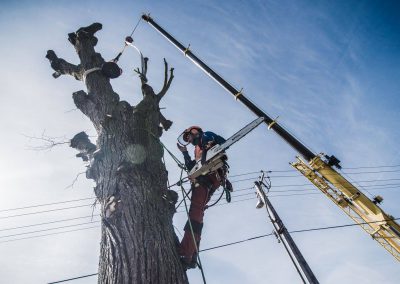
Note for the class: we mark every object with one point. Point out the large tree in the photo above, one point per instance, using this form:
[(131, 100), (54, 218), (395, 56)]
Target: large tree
[(138, 243)]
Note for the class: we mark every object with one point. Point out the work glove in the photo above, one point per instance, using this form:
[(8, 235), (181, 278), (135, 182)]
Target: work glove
[(181, 148)]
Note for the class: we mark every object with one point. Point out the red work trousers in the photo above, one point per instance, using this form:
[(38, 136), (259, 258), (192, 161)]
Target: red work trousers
[(200, 196)]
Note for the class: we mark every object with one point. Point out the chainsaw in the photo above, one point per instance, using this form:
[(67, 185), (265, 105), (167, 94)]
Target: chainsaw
[(216, 155)]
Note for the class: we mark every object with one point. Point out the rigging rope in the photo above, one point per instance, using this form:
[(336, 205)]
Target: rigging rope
[(129, 41), (192, 232), (184, 196)]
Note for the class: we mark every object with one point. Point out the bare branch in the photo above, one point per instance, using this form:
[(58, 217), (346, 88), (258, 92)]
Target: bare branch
[(71, 110), (63, 67), (144, 68), (75, 180), (165, 73), (48, 142), (94, 207), (167, 82), (143, 73)]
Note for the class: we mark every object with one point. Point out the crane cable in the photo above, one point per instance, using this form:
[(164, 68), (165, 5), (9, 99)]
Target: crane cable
[(129, 42)]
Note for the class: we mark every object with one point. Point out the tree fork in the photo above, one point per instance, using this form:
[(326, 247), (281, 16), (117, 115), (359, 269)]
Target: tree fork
[(138, 243)]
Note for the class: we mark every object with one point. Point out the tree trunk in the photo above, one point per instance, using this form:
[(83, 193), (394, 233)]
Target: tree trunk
[(138, 243)]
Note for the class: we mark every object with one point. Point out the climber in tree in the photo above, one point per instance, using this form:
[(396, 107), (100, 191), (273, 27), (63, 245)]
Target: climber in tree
[(202, 188)]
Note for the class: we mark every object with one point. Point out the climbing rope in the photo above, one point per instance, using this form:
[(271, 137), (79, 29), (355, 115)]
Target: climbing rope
[(177, 161), (184, 196)]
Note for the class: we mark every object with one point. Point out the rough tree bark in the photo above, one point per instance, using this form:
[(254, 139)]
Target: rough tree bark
[(138, 243)]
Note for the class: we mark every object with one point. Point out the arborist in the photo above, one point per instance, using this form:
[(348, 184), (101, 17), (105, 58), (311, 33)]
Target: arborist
[(202, 188)]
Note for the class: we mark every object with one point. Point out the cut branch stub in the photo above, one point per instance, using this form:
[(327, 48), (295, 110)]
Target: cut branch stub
[(85, 33), (82, 143), (63, 67)]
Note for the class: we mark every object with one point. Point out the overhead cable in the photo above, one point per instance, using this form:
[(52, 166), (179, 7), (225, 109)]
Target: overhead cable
[(243, 241)]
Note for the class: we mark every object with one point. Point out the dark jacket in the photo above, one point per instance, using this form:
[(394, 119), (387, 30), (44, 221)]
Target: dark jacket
[(200, 151)]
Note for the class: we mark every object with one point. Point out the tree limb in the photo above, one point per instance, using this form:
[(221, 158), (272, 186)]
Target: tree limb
[(85, 32), (85, 104), (167, 82), (82, 143), (143, 73), (63, 67), (75, 180)]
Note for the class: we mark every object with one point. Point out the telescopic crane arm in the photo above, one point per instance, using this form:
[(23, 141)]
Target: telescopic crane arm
[(317, 168)]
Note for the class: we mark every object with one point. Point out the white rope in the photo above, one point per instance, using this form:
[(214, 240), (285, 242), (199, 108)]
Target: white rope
[(87, 72), (138, 50)]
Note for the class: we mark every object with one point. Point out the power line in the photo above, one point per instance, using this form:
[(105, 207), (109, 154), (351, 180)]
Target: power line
[(44, 230), (220, 204), (373, 180), (44, 211), (51, 222), (50, 234), (240, 180), (75, 278), (313, 188), (225, 203), (249, 239), (372, 167), (253, 198), (46, 204), (49, 229), (373, 187), (375, 172), (237, 242), (380, 186), (340, 226), (293, 170), (68, 226), (344, 173)]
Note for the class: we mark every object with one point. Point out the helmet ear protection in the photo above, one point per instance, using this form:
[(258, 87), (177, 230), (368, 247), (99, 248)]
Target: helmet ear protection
[(183, 139)]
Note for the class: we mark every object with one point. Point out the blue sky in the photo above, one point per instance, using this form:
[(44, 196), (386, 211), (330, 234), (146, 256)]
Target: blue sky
[(328, 69)]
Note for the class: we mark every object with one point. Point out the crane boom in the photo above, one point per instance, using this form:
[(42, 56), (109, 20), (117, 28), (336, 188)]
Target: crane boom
[(318, 169), (238, 95), (381, 226)]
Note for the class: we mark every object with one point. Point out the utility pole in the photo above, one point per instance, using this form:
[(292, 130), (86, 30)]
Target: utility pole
[(305, 272)]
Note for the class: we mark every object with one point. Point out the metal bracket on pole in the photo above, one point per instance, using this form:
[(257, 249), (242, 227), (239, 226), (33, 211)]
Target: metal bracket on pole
[(185, 52)]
